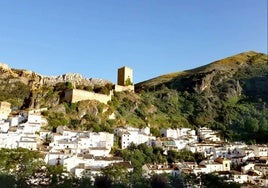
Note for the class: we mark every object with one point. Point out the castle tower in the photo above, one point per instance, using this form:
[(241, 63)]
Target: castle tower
[(125, 76)]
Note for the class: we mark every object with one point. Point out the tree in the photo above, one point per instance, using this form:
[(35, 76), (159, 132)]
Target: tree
[(159, 181), (252, 124), (20, 164), (128, 82), (189, 179), (212, 180), (199, 157), (117, 173), (85, 182), (137, 180), (69, 85), (58, 175), (102, 182), (172, 156), (7, 181), (176, 181)]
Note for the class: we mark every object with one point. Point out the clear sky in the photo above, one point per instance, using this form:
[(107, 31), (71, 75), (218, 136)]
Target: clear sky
[(154, 37)]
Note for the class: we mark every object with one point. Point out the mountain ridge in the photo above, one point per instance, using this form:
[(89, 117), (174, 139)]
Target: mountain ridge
[(234, 61)]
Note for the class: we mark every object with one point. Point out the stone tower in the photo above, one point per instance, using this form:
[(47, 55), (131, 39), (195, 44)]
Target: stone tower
[(125, 76)]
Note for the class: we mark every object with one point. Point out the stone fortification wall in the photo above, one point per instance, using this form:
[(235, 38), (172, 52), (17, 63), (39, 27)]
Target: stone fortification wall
[(119, 88), (76, 95)]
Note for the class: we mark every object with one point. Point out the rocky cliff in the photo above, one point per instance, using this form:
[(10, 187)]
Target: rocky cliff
[(31, 90), (35, 80)]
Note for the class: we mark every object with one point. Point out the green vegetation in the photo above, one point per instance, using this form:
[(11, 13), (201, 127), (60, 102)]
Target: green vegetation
[(103, 89), (128, 82), (15, 93), (234, 100), (142, 154), (24, 168), (19, 167)]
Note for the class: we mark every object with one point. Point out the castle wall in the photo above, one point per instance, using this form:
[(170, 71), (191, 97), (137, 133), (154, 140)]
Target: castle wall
[(119, 88), (76, 95)]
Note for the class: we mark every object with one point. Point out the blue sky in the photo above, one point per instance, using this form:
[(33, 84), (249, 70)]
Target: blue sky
[(94, 38)]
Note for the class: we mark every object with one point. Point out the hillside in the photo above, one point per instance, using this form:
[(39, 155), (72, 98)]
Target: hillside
[(229, 95), (244, 67)]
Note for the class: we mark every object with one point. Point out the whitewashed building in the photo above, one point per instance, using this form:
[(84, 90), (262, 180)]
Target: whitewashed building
[(4, 126), (176, 133), (260, 150), (28, 143), (208, 134), (9, 140), (137, 136)]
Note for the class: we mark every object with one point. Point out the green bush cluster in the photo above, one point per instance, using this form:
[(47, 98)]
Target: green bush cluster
[(15, 93)]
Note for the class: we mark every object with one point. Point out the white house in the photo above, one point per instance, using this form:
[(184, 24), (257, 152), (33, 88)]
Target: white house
[(180, 143), (4, 126), (208, 134), (247, 168), (260, 150), (101, 139), (130, 135), (56, 158), (31, 128), (16, 120), (71, 162), (219, 164), (176, 133), (149, 169), (87, 164), (9, 140), (208, 149), (28, 143), (221, 151), (239, 177), (34, 118), (99, 151)]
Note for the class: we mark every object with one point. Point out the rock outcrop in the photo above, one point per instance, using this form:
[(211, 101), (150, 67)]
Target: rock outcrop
[(35, 80)]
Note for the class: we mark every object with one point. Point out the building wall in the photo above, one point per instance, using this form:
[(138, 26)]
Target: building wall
[(5, 109), (5, 105), (119, 88), (76, 95), (123, 74)]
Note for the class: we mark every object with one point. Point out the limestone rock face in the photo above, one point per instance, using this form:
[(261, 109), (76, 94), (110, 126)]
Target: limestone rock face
[(35, 80), (4, 67)]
